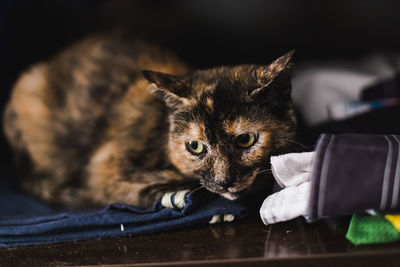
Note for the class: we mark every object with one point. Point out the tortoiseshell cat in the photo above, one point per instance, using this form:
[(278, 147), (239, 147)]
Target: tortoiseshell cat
[(89, 127)]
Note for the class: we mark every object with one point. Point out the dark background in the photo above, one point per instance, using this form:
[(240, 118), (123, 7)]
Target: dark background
[(203, 32)]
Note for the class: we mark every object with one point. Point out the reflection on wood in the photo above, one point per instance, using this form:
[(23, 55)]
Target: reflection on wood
[(249, 243)]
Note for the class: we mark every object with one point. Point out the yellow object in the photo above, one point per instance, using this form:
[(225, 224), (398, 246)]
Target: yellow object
[(395, 220)]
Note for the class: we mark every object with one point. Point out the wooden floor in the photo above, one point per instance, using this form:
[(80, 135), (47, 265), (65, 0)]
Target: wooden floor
[(247, 243)]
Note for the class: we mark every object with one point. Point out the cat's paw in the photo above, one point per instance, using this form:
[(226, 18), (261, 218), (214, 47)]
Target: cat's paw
[(174, 200), (221, 218)]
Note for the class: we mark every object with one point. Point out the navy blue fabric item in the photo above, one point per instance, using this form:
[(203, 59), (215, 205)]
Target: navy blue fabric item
[(24, 221)]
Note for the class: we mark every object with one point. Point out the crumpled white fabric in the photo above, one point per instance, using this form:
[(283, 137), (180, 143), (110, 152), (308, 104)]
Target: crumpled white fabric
[(292, 169), (293, 173), (318, 87)]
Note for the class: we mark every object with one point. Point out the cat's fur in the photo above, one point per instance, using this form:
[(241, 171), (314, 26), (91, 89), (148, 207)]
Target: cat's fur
[(89, 127)]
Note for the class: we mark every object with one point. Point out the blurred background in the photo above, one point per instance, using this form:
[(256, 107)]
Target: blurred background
[(338, 35)]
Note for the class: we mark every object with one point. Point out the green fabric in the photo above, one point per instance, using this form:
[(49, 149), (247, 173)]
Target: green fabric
[(369, 229)]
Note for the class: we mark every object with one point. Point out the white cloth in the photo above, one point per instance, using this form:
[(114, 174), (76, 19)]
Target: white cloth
[(315, 90), (292, 169), (286, 204), (293, 172), (317, 87)]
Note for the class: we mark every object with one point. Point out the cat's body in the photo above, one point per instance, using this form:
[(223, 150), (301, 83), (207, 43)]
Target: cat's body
[(86, 127)]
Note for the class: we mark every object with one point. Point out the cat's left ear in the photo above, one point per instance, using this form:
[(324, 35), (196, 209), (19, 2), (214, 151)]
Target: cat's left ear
[(275, 79), (169, 88)]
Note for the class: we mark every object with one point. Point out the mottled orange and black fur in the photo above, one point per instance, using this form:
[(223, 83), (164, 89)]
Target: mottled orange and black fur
[(89, 126)]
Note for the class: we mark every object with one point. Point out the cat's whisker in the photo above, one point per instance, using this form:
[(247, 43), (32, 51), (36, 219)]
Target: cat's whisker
[(298, 143), (266, 170), (276, 149)]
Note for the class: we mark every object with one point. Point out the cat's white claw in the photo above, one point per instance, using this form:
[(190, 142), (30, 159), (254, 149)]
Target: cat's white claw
[(229, 217), (217, 218), (174, 200)]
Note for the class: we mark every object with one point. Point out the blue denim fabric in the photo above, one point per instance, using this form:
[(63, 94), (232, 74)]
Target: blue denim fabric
[(23, 221)]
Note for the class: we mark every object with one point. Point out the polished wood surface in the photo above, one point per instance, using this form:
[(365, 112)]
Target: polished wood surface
[(246, 243)]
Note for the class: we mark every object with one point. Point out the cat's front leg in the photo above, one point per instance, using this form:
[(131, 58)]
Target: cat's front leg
[(140, 188), (139, 191), (172, 193), (113, 179)]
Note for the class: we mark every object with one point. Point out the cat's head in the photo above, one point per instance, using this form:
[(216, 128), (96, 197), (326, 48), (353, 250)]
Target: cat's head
[(226, 122)]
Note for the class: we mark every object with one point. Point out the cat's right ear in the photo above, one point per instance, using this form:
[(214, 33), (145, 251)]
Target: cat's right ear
[(169, 88), (275, 80)]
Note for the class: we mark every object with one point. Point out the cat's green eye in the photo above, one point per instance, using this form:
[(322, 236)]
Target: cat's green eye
[(195, 147), (246, 140)]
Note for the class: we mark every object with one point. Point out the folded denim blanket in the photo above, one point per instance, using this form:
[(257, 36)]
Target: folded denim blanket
[(21, 225)]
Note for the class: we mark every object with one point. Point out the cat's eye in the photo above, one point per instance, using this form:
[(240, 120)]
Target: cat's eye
[(246, 140), (195, 147)]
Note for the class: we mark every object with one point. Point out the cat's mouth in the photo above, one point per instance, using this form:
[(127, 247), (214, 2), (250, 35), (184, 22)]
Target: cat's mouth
[(230, 193), (236, 190), (230, 196)]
